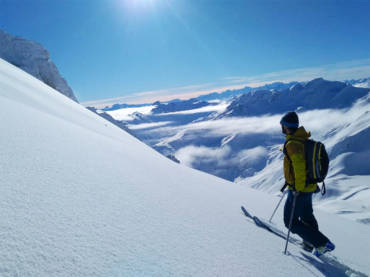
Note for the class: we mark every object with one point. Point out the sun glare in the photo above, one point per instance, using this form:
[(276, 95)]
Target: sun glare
[(138, 4)]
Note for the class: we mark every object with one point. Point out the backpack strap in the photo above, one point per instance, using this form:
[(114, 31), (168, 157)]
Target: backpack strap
[(285, 144), (285, 151)]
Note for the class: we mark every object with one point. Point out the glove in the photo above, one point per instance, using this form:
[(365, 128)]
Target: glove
[(294, 191), (284, 187)]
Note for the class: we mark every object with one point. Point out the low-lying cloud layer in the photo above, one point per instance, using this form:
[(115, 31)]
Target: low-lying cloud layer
[(257, 135)]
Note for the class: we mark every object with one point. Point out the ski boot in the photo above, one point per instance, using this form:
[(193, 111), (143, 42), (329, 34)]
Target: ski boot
[(329, 246)]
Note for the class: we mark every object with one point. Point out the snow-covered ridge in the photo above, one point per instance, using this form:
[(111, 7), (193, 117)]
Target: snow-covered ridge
[(316, 94), (31, 57), (228, 94), (360, 83), (178, 106)]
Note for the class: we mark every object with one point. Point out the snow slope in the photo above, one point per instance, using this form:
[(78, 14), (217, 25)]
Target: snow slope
[(81, 197)]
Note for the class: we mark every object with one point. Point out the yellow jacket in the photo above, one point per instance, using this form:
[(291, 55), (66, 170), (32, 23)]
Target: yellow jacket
[(295, 168)]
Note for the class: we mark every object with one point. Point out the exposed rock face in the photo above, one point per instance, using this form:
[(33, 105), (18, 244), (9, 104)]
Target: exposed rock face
[(31, 57)]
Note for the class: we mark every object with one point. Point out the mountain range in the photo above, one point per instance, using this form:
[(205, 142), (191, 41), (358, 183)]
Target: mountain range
[(316, 94)]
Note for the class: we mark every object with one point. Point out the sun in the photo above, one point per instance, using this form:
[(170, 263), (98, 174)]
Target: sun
[(139, 5)]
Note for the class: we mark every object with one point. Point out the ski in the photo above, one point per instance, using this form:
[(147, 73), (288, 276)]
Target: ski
[(327, 258), (264, 225)]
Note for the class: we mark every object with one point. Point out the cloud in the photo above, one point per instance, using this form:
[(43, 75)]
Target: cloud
[(235, 125), (222, 161), (319, 122), (221, 156), (148, 125), (221, 107), (191, 154), (252, 155)]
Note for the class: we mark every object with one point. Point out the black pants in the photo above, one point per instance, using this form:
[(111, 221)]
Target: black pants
[(304, 223)]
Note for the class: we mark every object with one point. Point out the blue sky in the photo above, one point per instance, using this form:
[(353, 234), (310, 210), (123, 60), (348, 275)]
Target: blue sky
[(137, 50)]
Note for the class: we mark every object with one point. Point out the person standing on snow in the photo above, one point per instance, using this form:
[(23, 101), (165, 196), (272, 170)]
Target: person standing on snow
[(304, 222)]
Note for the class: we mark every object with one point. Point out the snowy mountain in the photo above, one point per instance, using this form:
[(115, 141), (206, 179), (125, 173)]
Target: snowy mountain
[(31, 57), (82, 197), (123, 106), (178, 106), (228, 94), (360, 83), (316, 94)]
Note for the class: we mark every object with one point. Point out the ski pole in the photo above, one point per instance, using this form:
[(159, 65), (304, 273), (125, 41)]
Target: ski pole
[(277, 207), (283, 191), (290, 221)]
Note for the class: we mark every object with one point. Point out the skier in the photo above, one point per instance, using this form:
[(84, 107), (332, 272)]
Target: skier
[(304, 222)]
